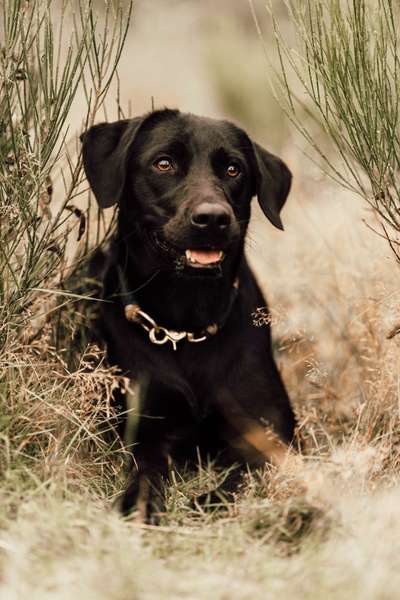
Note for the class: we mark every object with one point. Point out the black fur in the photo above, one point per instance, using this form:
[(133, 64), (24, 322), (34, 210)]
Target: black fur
[(203, 392)]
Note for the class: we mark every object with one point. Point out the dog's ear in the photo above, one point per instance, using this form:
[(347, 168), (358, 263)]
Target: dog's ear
[(273, 181), (105, 150)]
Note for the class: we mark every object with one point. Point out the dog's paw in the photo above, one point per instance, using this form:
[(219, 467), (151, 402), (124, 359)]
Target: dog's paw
[(141, 501)]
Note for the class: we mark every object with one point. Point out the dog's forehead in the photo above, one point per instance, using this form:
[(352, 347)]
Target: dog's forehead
[(198, 133)]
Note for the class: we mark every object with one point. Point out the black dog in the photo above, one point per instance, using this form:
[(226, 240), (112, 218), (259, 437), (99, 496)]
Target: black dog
[(182, 294)]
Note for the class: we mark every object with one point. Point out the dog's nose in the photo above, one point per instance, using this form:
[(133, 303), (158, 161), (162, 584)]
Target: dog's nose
[(210, 215)]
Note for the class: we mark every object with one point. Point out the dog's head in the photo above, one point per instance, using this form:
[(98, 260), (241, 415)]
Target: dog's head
[(186, 180)]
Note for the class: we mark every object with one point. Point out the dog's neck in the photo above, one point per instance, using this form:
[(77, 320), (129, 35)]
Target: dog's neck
[(175, 300)]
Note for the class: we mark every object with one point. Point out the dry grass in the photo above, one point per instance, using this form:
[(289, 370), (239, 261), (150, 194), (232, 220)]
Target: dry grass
[(335, 301)]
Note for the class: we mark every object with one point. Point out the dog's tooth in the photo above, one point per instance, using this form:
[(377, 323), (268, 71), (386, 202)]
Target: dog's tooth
[(189, 256)]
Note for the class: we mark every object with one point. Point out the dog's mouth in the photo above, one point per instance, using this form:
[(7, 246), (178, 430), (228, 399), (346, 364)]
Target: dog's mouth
[(204, 258), (195, 258)]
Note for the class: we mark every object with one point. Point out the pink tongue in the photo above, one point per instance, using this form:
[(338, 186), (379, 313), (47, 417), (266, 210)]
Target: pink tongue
[(205, 257)]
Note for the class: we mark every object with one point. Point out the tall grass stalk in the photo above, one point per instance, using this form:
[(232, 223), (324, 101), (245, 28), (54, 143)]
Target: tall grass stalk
[(49, 51), (347, 63)]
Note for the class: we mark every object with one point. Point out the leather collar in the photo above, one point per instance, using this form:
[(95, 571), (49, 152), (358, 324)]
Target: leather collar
[(161, 335)]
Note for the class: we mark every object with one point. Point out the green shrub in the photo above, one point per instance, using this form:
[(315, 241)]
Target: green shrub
[(49, 52), (348, 66)]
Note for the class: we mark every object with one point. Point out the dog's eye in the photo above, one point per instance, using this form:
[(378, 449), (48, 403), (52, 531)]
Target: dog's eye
[(233, 170), (163, 164)]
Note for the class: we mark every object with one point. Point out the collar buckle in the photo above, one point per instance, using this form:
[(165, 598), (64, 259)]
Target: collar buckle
[(168, 335), (157, 334)]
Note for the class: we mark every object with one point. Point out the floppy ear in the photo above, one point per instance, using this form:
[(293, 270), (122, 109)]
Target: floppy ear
[(105, 150), (273, 181)]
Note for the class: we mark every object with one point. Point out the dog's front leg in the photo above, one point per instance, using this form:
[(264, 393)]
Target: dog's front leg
[(144, 492), (163, 415)]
